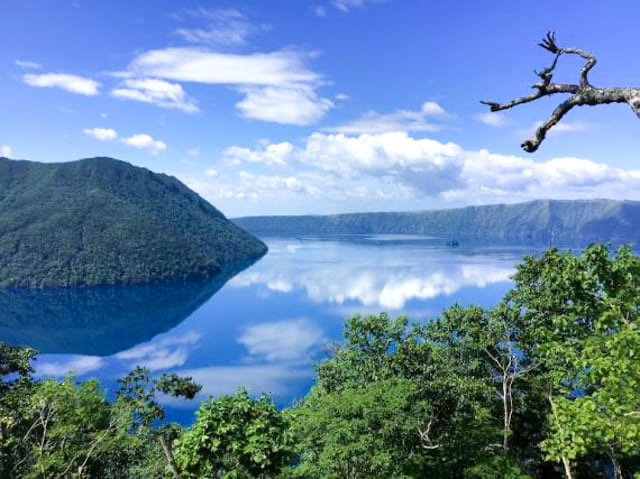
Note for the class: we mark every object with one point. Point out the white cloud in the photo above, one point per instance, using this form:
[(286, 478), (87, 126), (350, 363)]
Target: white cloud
[(211, 172), (162, 354), (79, 365), (347, 5), (28, 64), (276, 86), (492, 119), (159, 92), (294, 340), (5, 151), (559, 128), (290, 105), (223, 27), (145, 142), (193, 152), (401, 120), (320, 11), (205, 66), (70, 83), (278, 379), (389, 283), (373, 165), (432, 108), (102, 134), (271, 154), (342, 97)]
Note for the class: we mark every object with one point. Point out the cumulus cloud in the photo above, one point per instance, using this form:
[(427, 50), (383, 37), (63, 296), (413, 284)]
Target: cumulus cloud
[(492, 119), (276, 86), (70, 83), (390, 283), (158, 92), (280, 380), (293, 340), (145, 142), (431, 168), (347, 5), (79, 365), (28, 64), (206, 66), (102, 134), (223, 27), (165, 353), (400, 120), (5, 151), (290, 105)]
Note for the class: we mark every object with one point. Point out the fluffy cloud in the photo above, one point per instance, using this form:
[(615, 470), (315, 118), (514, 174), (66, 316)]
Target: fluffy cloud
[(158, 92), (5, 151), (206, 66), (432, 168), (102, 134), (224, 26), (280, 380), (162, 354), (346, 5), (77, 364), (28, 64), (390, 283), (145, 142), (492, 119), (401, 120), (70, 83), (293, 340), (276, 86), (290, 105)]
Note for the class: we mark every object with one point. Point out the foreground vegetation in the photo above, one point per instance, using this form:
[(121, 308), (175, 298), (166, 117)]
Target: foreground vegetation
[(545, 384)]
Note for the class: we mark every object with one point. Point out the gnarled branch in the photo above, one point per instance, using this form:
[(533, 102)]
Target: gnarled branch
[(582, 93)]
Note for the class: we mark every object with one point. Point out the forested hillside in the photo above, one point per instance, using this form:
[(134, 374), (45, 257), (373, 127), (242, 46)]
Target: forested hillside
[(102, 221), (542, 220)]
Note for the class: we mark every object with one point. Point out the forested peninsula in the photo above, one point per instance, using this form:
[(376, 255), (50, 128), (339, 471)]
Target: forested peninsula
[(101, 221), (541, 220)]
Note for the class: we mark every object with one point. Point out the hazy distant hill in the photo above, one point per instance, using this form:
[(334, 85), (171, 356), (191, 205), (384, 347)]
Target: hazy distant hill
[(542, 220), (102, 221)]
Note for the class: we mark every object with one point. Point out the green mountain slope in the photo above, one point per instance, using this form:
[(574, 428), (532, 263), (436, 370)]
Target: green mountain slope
[(542, 220), (102, 221)]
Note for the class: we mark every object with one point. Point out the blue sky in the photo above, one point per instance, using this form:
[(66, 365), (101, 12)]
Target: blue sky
[(321, 106)]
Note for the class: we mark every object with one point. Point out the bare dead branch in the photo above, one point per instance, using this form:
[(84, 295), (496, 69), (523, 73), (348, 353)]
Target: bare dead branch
[(427, 442), (583, 93)]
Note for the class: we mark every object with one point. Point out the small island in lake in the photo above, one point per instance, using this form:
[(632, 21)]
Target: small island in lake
[(101, 221)]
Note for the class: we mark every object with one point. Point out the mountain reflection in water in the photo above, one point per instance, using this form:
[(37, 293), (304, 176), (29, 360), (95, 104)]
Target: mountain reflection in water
[(100, 321)]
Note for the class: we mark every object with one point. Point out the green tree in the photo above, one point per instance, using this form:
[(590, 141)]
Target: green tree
[(235, 437), (16, 386), (579, 320), (440, 413)]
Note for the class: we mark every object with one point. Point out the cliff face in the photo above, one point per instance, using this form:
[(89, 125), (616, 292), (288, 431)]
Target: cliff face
[(101, 221)]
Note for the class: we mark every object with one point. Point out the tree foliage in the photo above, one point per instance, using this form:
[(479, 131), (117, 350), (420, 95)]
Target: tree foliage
[(545, 384)]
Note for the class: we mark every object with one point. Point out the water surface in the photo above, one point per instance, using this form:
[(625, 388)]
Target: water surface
[(262, 328)]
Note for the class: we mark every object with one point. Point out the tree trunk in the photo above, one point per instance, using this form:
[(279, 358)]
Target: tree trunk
[(617, 470), (166, 448)]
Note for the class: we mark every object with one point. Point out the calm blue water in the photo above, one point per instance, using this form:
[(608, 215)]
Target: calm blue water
[(262, 328)]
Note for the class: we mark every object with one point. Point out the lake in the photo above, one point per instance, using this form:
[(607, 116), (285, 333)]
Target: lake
[(262, 328)]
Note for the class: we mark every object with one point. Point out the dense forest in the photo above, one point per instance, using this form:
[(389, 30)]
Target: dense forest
[(545, 384), (101, 221), (542, 220)]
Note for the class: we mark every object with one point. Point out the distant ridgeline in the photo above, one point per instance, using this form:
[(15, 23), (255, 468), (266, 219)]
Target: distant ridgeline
[(101, 221), (538, 221)]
